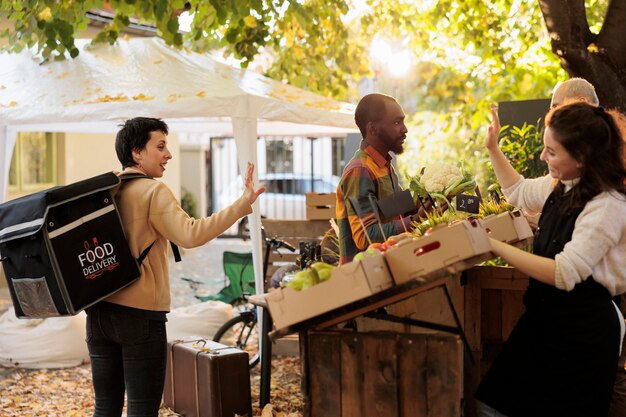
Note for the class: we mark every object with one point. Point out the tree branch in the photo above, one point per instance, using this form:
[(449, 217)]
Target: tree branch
[(566, 21), (612, 37)]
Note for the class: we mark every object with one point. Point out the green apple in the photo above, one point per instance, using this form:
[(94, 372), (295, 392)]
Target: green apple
[(324, 274)]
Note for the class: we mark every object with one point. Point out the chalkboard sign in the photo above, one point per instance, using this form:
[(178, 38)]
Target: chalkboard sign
[(467, 203)]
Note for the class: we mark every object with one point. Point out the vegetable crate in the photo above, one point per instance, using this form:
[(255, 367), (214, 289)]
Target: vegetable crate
[(510, 227), (448, 248), (320, 206), (348, 283), (381, 374)]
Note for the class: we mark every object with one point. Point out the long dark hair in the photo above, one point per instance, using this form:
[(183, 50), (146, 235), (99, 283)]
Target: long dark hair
[(591, 136)]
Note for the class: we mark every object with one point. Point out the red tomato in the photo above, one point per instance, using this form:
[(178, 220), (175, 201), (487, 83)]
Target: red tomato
[(391, 242)]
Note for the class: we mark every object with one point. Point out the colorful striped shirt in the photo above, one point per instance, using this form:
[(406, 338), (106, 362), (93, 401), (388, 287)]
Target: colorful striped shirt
[(367, 173)]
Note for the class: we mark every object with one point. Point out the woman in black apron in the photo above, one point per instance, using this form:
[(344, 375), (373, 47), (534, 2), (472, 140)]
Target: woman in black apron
[(560, 358)]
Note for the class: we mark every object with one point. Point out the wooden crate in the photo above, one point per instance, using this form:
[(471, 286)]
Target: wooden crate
[(493, 305), (501, 306), (387, 374)]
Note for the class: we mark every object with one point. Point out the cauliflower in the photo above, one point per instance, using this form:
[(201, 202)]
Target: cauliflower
[(439, 176), (441, 182)]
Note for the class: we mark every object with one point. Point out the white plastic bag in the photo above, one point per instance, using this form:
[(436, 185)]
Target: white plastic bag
[(57, 342), (201, 319)]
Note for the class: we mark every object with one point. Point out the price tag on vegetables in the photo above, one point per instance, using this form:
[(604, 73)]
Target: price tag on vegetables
[(468, 203)]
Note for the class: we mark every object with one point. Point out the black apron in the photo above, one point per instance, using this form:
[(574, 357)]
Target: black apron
[(560, 358)]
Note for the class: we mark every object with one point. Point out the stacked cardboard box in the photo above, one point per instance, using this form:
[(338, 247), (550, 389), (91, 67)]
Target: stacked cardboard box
[(452, 247), (509, 227), (320, 206)]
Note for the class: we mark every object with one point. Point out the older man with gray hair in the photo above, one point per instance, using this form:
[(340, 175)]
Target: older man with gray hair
[(572, 90)]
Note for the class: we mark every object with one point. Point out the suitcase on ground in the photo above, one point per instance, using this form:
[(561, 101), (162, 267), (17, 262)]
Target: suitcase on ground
[(207, 379), (64, 249)]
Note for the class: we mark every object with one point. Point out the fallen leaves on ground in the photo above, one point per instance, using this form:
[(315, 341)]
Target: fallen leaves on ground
[(286, 399), (68, 392)]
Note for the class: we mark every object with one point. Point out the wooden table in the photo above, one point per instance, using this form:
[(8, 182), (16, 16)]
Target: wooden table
[(492, 304), (358, 308)]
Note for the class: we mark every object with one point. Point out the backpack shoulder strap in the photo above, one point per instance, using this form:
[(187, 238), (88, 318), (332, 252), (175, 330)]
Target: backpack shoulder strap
[(142, 256), (175, 251), (132, 176)]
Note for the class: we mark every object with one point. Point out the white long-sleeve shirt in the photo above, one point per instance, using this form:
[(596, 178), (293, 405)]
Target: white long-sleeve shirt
[(598, 244)]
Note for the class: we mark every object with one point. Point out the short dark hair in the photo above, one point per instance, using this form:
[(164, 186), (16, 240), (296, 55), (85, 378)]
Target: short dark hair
[(371, 108), (133, 135), (592, 136)]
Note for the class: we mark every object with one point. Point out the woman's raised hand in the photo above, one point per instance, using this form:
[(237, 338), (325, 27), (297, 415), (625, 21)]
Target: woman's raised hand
[(494, 129), (249, 192)]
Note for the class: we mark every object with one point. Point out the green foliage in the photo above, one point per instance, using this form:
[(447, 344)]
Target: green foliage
[(523, 146), (308, 42), (189, 203), (466, 53)]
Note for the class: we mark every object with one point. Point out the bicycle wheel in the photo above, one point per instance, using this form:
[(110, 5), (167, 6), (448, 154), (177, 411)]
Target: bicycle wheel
[(245, 330)]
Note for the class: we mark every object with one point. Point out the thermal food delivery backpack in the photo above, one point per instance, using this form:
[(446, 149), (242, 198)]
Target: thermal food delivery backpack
[(64, 249)]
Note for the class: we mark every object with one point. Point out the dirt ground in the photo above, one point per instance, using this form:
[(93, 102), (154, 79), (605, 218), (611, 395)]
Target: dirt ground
[(68, 392)]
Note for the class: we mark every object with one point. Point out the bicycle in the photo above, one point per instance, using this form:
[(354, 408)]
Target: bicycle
[(244, 325)]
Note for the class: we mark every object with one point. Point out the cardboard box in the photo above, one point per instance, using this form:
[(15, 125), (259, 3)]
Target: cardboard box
[(320, 213), (321, 199), (348, 283), (444, 247), (320, 206), (509, 227)]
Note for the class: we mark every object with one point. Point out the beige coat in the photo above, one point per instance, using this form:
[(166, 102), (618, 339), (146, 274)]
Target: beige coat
[(151, 213)]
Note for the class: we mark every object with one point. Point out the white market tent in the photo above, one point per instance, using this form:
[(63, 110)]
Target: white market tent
[(192, 92)]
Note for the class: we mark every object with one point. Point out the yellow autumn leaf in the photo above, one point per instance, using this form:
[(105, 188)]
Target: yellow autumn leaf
[(107, 98), (326, 105), (12, 103), (250, 21), (593, 48), (142, 97), (288, 39), (201, 94), (268, 411), (45, 15), (282, 94)]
